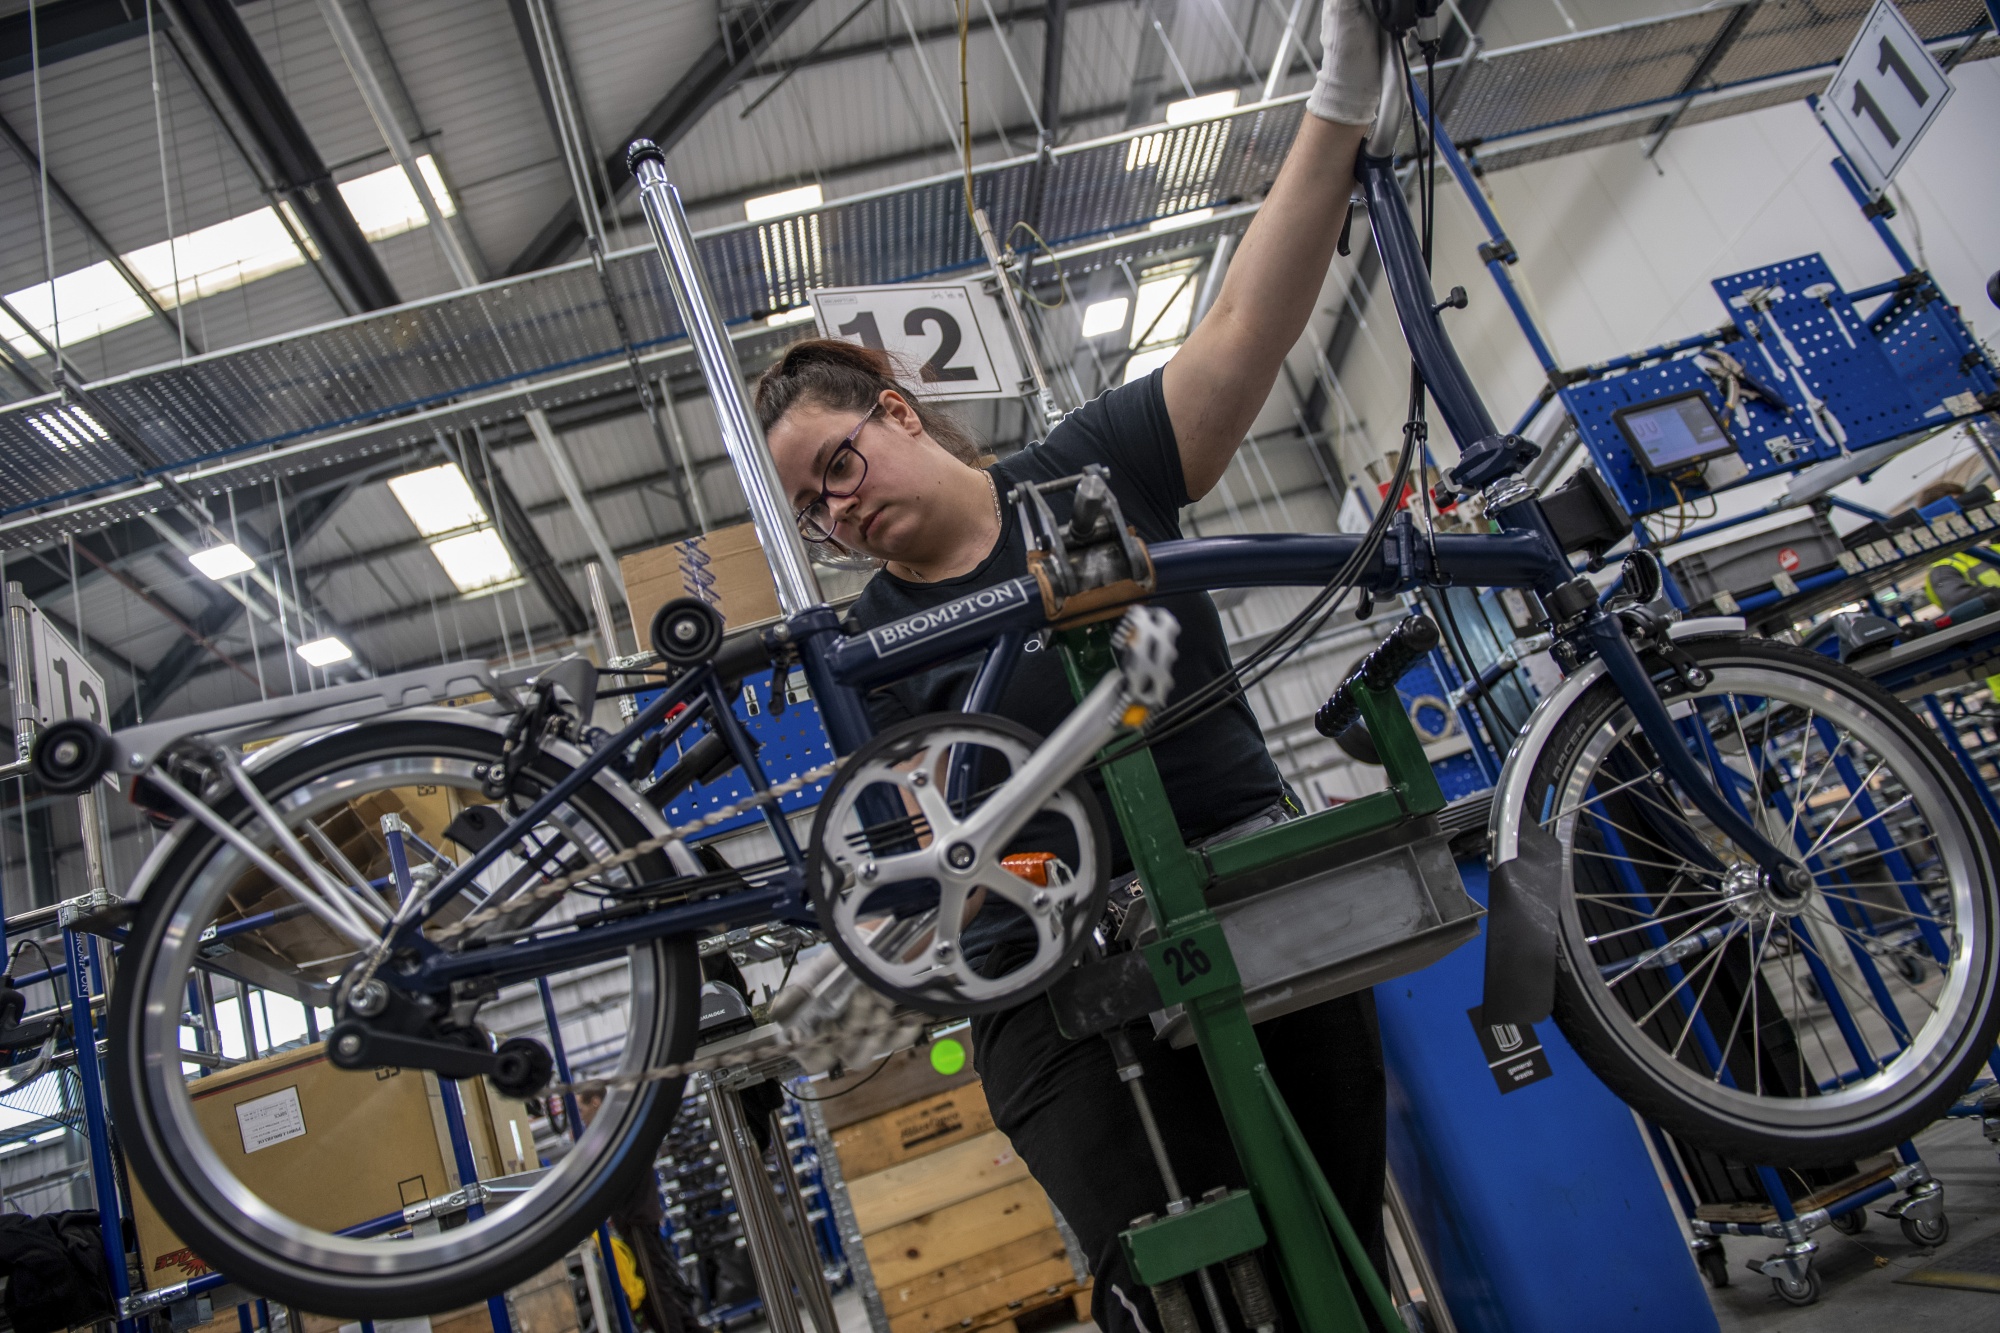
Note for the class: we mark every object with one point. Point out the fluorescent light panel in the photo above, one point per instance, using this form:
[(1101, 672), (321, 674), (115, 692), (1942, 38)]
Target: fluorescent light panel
[(208, 261), (1141, 364), (438, 500), (222, 562), (324, 652), (783, 202)]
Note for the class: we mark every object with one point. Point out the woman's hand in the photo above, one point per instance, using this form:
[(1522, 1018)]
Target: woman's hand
[(1218, 382), (1350, 71)]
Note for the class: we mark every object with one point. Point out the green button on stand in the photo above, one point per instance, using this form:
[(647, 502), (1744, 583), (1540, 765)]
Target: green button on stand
[(947, 1056)]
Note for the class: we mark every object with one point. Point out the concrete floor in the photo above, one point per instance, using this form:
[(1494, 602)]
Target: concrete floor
[(1860, 1272)]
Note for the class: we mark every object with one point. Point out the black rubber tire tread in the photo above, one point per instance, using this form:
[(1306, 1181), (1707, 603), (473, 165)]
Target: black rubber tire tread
[(464, 1283), (816, 871), (1662, 1104)]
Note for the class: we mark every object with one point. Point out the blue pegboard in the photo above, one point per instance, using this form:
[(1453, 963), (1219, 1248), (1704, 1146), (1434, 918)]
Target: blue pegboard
[(1939, 361), (792, 742), (1767, 440), (1807, 329)]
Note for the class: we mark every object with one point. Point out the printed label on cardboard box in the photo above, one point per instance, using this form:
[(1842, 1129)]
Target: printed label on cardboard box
[(268, 1121)]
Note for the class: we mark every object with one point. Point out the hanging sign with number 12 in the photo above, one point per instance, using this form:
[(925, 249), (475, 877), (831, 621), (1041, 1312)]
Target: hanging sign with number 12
[(948, 340), (1883, 97)]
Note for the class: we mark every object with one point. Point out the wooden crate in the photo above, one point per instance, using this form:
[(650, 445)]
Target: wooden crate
[(957, 1234)]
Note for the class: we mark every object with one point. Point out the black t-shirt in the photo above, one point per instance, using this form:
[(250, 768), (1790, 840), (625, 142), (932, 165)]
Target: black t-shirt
[(1216, 771)]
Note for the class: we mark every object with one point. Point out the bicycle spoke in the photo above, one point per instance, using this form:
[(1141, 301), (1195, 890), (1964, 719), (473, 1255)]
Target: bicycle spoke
[(1749, 991), (1826, 845), (1688, 975), (1567, 811), (1659, 951), (1685, 867), (1647, 924), (1845, 806)]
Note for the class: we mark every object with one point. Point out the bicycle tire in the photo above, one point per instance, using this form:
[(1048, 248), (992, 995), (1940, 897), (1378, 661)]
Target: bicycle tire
[(313, 1270), (1813, 1112)]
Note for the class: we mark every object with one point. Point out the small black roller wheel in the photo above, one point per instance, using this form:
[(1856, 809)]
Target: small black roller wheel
[(1926, 1234), (1852, 1224), (524, 1067), (1714, 1266), (687, 632), (1799, 1293), (70, 756), (1911, 970)]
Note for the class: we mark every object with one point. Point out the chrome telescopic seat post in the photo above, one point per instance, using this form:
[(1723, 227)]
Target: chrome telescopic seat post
[(742, 437)]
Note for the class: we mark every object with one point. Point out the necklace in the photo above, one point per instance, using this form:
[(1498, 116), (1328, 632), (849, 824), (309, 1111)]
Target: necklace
[(998, 517)]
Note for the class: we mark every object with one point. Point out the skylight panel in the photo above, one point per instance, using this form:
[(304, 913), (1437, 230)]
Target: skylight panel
[(475, 560), (1164, 308), (1102, 317), (784, 201), (384, 203), (438, 500), (1200, 108)]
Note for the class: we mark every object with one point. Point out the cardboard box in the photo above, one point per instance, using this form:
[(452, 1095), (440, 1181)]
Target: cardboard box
[(725, 568), (333, 1147)]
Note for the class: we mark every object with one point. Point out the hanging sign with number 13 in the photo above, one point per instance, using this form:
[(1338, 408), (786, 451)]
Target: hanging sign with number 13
[(948, 340)]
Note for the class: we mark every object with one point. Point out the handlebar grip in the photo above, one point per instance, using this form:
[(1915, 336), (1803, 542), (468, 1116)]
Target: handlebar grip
[(1393, 657), (740, 655)]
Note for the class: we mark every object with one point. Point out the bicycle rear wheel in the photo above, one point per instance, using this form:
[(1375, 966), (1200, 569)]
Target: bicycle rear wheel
[(1800, 1032), (293, 1176)]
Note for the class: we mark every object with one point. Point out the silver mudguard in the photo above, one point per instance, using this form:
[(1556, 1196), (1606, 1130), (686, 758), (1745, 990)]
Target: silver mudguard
[(650, 819), (1503, 824)]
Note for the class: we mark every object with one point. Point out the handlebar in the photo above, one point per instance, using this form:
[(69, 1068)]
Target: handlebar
[(1380, 670)]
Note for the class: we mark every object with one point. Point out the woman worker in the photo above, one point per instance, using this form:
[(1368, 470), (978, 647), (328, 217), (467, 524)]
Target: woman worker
[(869, 467)]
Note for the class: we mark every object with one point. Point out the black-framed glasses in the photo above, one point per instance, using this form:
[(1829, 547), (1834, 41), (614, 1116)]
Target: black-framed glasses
[(845, 470)]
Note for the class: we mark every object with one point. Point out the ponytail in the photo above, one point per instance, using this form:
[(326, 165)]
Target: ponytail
[(846, 377)]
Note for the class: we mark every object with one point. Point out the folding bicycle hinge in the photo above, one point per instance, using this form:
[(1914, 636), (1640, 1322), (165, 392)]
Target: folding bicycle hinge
[(1091, 566)]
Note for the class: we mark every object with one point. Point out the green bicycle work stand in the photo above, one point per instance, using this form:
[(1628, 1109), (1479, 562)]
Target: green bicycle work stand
[(1192, 965), (1211, 1232)]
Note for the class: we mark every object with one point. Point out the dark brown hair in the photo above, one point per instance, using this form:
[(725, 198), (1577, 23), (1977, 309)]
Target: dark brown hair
[(844, 377)]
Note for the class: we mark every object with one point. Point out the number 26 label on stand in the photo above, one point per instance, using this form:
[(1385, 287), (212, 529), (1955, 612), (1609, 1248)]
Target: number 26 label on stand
[(948, 340)]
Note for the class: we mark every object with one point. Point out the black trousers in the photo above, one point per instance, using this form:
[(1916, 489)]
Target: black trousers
[(1074, 1124)]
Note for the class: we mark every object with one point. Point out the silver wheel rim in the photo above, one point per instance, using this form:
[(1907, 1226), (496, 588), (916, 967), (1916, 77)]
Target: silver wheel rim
[(1854, 922), (184, 1151)]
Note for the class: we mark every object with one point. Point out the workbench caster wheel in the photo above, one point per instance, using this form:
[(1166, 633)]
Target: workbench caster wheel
[(1714, 1266), (1798, 1293), (1851, 1224), (1926, 1233), (1911, 970)]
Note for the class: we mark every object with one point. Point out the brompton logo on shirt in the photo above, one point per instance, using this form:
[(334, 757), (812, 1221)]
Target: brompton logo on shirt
[(967, 610)]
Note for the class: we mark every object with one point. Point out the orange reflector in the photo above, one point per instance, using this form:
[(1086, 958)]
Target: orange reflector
[(1134, 715), (1031, 866)]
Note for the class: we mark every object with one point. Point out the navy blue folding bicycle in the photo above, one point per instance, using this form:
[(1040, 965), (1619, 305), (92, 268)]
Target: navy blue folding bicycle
[(1760, 891)]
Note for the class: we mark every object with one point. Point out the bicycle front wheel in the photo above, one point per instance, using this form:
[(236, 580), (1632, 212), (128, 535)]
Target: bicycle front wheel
[(1795, 1031), (332, 1189)]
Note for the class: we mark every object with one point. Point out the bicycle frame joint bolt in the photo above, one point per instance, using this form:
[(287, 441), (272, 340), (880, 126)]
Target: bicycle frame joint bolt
[(960, 856), (918, 777), (869, 870), (370, 998), (1040, 901), (1795, 881), (350, 1045), (943, 950)]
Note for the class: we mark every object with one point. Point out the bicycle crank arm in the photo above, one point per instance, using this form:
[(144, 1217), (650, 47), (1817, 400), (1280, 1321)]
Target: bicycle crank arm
[(1145, 640)]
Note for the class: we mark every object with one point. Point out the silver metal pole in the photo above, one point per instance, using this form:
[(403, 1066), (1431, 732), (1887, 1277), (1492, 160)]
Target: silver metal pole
[(742, 437), (1018, 317), (1211, 281), (804, 1249), (20, 671), (761, 1230), (600, 606)]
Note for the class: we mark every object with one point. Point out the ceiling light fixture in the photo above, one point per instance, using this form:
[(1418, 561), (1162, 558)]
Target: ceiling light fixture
[(1201, 108), (222, 562), (325, 652)]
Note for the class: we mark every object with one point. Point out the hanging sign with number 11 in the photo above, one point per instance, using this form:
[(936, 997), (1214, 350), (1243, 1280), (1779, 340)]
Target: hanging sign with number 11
[(948, 340), (1884, 96)]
